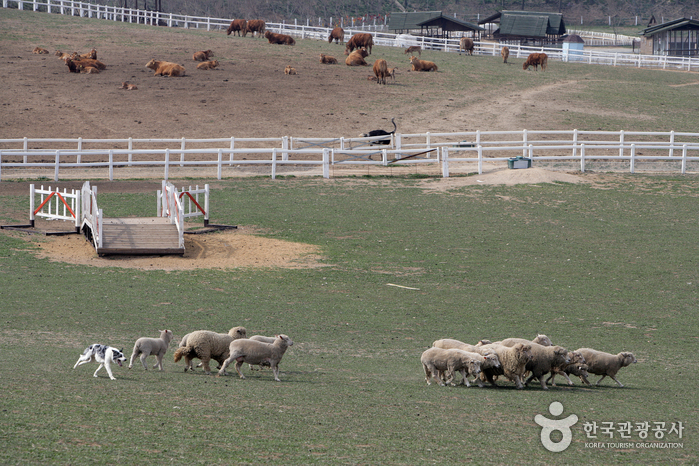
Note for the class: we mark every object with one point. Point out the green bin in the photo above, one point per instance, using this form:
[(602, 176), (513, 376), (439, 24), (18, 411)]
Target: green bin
[(519, 162)]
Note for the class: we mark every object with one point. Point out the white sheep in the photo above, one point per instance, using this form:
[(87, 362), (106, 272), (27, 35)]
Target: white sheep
[(263, 339), (513, 362), (544, 359), (606, 364), (542, 340), (151, 346), (258, 353), (207, 345), (489, 356), (441, 364)]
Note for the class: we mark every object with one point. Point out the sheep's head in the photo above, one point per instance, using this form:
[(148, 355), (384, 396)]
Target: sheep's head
[(627, 358), (491, 360), (543, 340), (525, 351), (238, 332), (474, 367)]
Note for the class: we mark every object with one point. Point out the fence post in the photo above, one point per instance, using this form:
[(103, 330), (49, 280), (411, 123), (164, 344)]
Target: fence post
[(399, 141), (58, 159), (672, 143), (480, 159), (621, 143), (167, 163), (25, 146), (684, 158), (427, 139), (0, 164), (111, 164), (445, 162), (632, 165), (582, 158), (182, 146), (80, 149), (285, 148), (274, 163), (218, 163), (524, 143), (230, 155), (326, 165), (575, 142), (130, 147)]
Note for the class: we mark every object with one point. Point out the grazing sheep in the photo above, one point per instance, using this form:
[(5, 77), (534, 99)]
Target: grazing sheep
[(289, 70), (576, 366), (40, 51), (441, 364), (207, 65), (422, 65), (207, 345), (466, 44), (151, 346), (381, 70), (327, 59), (412, 49), (606, 364), (237, 25), (129, 87), (203, 55), (356, 58), (504, 53), (337, 35), (258, 353), (165, 68), (513, 362)]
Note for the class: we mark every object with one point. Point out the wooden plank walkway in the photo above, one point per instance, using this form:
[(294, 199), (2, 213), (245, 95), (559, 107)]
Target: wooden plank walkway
[(139, 235)]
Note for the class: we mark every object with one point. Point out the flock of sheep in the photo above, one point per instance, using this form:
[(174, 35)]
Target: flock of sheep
[(513, 358), (225, 348)]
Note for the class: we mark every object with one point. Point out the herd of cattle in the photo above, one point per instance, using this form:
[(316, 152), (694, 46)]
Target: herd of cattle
[(357, 49)]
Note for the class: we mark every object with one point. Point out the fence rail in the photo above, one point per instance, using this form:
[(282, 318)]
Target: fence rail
[(113, 13), (37, 157)]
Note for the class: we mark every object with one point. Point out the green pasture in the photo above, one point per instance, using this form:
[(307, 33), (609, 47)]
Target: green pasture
[(611, 266)]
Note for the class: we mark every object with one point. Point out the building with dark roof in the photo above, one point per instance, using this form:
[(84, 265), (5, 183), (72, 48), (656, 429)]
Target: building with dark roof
[(431, 24), (527, 27), (676, 38)]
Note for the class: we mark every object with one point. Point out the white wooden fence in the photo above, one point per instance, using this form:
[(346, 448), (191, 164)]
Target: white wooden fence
[(170, 206), (113, 13), (620, 150), (91, 214), (54, 204)]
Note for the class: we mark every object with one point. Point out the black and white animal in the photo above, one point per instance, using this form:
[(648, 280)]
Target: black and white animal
[(104, 355), (380, 132)]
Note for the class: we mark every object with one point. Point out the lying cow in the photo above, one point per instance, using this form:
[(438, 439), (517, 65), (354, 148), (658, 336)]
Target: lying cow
[(165, 68), (203, 55), (356, 58), (207, 65), (40, 51), (327, 59), (422, 65), (283, 39), (289, 70)]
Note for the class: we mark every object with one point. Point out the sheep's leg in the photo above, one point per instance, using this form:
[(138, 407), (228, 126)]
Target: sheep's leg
[(275, 370), (597, 383), (584, 380), (552, 378), (570, 382), (449, 377), (464, 378), (133, 356), (222, 370), (158, 362), (143, 360), (518, 382), (614, 379), (238, 365), (205, 365), (428, 374)]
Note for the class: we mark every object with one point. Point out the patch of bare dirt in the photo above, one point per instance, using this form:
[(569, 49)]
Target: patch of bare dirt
[(504, 177), (219, 250)]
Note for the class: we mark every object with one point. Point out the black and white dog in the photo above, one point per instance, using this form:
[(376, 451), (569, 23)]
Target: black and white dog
[(104, 355)]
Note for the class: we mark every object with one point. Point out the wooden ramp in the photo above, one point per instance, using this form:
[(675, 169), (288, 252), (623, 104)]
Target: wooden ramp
[(139, 235)]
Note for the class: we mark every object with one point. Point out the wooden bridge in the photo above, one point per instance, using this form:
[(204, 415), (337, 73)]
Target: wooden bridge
[(139, 235)]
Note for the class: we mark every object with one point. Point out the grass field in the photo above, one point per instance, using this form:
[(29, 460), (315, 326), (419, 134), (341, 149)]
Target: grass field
[(610, 265)]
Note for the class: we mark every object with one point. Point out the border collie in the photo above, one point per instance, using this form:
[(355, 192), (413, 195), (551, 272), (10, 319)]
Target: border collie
[(104, 355)]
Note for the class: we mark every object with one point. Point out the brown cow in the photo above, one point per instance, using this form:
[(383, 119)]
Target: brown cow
[(92, 54), (422, 65), (392, 73), (381, 70), (505, 52), (361, 39), (203, 55), (39, 50), (72, 67), (466, 44), (338, 35), (255, 26), (283, 39), (414, 48), (207, 65), (536, 59), (88, 69), (357, 57), (328, 59), (128, 87), (88, 62), (62, 55), (289, 70), (237, 25), (165, 68)]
